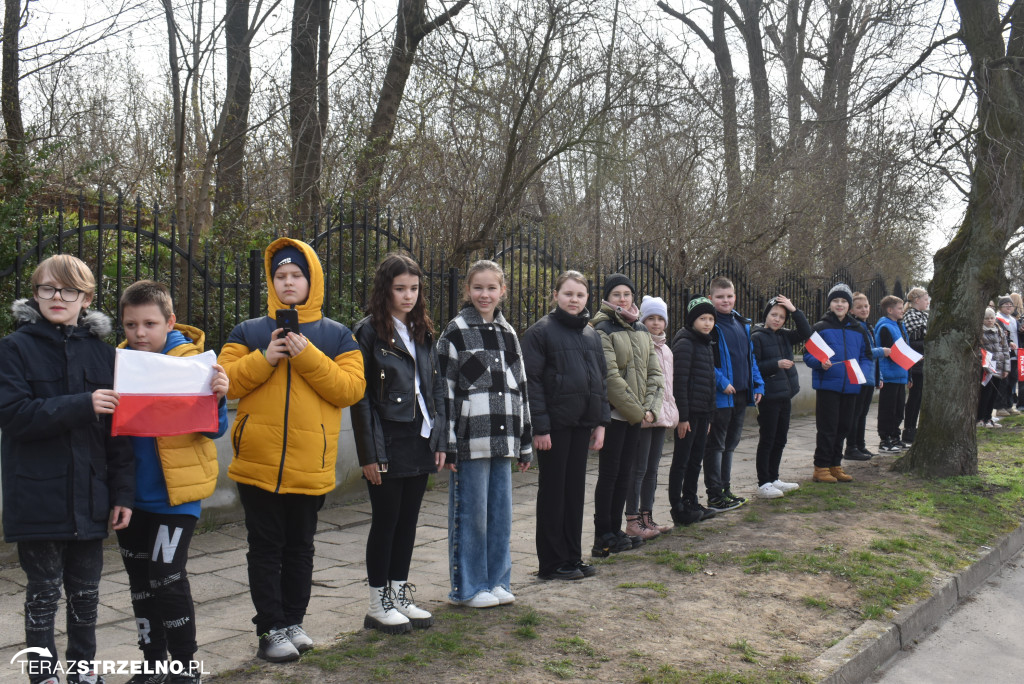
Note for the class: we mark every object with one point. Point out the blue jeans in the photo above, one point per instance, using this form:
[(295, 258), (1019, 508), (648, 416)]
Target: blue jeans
[(726, 430), (479, 527)]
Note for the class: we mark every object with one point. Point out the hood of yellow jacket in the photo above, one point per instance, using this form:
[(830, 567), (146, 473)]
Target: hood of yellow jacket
[(311, 309), (191, 333)]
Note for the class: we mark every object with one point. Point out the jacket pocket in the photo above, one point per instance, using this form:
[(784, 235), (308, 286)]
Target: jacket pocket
[(42, 485), (45, 381), (236, 438), (98, 378)]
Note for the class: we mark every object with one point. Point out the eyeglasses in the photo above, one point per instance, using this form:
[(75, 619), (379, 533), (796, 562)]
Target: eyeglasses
[(67, 294)]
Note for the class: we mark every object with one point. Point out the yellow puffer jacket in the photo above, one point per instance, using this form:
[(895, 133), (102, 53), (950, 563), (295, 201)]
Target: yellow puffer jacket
[(285, 435), (189, 461)]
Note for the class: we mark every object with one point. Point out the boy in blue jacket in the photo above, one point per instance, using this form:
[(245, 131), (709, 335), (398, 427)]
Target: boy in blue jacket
[(172, 476), (738, 384), (835, 395), (892, 377)]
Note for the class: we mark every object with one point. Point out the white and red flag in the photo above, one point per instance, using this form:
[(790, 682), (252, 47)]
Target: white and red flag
[(1005, 320), (903, 354), (854, 373), (163, 395), (818, 348), (984, 357)]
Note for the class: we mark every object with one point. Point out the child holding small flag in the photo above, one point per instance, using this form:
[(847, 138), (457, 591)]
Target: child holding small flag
[(915, 320), (856, 448), (893, 377), (835, 392), (994, 342), (64, 476), (172, 476), (1005, 317)]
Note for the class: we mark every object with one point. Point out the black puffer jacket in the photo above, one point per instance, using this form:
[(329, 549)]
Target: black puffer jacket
[(770, 347), (62, 471), (391, 395), (693, 371), (565, 373)]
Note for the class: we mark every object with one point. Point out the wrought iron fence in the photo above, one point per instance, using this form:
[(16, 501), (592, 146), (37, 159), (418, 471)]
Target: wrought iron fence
[(215, 290)]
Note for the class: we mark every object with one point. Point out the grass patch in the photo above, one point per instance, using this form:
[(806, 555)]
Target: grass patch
[(529, 618), (576, 645), (821, 604), (657, 587), (689, 563), (563, 669), (752, 516), (746, 651), (525, 632)]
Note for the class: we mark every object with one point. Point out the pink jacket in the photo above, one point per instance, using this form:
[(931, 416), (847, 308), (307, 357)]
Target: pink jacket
[(669, 417)]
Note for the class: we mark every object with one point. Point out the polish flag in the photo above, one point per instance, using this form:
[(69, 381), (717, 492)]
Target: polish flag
[(984, 357), (818, 348), (854, 372), (1003, 319), (163, 395), (903, 354)]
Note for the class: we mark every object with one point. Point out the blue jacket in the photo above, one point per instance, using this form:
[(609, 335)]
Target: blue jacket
[(870, 368), (889, 370), (723, 371), (849, 340)]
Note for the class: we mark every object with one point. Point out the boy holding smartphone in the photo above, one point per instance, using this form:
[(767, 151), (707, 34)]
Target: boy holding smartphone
[(291, 386)]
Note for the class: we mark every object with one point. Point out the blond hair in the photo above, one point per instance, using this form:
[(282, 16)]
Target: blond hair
[(67, 270), (480, 267)]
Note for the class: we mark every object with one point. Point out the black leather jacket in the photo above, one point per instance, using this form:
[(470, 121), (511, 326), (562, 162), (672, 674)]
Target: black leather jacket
[(390, 396)]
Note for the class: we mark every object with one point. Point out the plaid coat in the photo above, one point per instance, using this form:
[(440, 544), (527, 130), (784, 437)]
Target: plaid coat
[(488, 413)]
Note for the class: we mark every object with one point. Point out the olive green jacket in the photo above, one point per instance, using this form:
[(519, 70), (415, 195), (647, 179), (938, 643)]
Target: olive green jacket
[(635, 382)]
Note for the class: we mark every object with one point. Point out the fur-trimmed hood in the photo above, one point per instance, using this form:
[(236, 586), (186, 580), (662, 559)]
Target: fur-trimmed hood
[(26, 311)]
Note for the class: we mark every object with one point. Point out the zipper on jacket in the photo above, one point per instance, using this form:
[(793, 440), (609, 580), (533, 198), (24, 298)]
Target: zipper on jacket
[(284, 434), (323, 456), (67, 376), (380, 395)]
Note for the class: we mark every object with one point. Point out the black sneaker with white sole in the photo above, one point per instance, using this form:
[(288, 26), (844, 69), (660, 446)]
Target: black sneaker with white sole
[(720, 504)]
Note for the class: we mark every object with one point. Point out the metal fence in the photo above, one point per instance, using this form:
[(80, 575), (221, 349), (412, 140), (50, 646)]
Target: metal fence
[(215, 290)]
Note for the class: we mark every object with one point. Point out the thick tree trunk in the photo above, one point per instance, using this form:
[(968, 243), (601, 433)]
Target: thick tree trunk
[(179, 118), (10, 100), (969, 270), (238, 93), (304, 117)]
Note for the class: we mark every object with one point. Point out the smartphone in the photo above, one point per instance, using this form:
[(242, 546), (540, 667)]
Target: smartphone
[(288, 321)]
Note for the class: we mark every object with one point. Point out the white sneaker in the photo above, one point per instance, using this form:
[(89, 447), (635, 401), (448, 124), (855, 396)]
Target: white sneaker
[(785, 486), (1002, 413), (275, 647), (300, 640), (768, 491), (484, 599), (503, 595)]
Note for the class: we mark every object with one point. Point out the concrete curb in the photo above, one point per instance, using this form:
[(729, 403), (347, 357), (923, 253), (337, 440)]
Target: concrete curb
[(869, 646)]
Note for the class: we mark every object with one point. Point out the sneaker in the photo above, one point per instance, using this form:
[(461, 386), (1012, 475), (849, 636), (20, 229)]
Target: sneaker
[(190, 677), (564, 572), (1013, 411), (1002, 413), (992, 424), (484, 599), (853, 454), (720, 504), (705, 513), (503, 595), (768, 491), (148, 679), (739, 500), (865, 452), (785, 486), (981, 423), (609, 543), (887, 447), (634, 541), (995, 419), (587, 569), (300, 640), (276, 647), (87, 678), (685, 514), (50, 680)]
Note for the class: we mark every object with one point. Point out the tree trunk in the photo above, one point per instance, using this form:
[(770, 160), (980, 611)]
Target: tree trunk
[(238, 93), (179, 117), (10, 101), (969, 270), (304, 115), (411, 27)]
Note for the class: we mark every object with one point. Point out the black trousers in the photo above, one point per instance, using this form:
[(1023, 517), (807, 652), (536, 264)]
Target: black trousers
[(154, 549), (890, 410), (613, 475), (913, 409), (77, 566), (987, 399), (687, 458), (561, 488), (280, 533), (773, 419), (855, 438), (1008, 384), (395, 505), (833, 416)]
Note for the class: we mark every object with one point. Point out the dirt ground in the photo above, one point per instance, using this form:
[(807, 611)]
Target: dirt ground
[(693, 605)]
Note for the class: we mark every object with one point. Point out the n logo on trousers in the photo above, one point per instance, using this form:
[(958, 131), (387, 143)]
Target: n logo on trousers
[(166, 543)]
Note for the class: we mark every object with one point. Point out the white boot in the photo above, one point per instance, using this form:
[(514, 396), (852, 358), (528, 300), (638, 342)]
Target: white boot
[(403, 602), (383, 615)]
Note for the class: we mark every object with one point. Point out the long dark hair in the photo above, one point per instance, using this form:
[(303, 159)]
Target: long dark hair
[(393, 265)]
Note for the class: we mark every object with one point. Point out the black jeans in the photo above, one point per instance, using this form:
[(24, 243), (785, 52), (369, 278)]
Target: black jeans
[(154, 549), (890, 410), (773, 419), (987, 399), (644, 482), (280, 533), (687, 458), (1007, 385), (613, 474), (726, 430), (47, 565), (561, 488), (833, 415), (913, 408), (855, 437), (395, 503)]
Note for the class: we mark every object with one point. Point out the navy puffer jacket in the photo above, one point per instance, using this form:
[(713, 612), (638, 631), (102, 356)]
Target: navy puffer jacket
[(772, 346), (848, 340), (693, 373)]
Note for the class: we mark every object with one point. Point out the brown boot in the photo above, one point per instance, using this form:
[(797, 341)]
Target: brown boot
[(823, 475), (837, 472), (648, 521), (635, 528)]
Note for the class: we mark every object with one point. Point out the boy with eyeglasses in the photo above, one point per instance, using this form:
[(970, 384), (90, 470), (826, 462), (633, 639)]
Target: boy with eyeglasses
[(64, 476)]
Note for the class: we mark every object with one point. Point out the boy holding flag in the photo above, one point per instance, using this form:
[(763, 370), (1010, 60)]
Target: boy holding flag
[(173, 474), (893, 376), (835, 394)]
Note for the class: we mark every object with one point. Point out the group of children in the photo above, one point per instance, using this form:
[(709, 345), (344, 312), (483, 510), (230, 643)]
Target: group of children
[(474, 401), (1000, 363)]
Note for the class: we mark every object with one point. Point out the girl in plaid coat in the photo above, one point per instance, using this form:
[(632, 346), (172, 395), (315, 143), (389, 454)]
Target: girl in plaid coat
[(488, 424)]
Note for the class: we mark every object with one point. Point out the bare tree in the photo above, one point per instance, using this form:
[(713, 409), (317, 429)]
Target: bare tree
[(237, 96), (10, 99)]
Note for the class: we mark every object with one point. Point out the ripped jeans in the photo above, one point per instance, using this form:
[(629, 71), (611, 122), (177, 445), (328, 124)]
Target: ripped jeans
[(48, 564)]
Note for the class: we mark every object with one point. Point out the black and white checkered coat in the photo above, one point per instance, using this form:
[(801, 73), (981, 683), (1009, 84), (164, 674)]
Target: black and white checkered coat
[(488, 413)]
